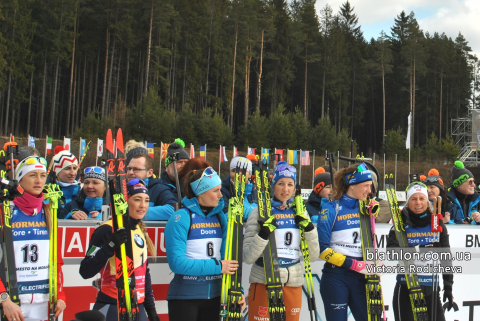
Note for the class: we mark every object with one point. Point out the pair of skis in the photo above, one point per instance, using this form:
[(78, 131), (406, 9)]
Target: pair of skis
[(417, 298), (300, 209), (124, 266), (276, 306), (230, 308), (375, 305)]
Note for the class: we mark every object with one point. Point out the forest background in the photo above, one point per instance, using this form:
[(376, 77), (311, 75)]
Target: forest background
[(269, 73)]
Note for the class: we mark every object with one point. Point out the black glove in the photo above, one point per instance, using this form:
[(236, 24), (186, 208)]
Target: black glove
[(117, 239), (447, 294), (304, 222), (152, 315), (267, 227)]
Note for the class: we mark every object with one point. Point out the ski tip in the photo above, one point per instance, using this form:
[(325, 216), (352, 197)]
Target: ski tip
[(119, 140), (109, 141)]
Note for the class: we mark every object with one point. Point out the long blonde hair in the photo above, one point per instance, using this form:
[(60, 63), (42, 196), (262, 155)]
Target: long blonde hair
[(150, 245)]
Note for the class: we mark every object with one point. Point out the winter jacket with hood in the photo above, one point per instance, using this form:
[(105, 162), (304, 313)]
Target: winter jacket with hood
[(457, 213)]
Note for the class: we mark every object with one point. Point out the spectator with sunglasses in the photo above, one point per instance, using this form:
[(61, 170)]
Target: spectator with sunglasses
[(343, 280), (464, 201), (195, 241), (100, 257), (31, 223), (88, 203), (140, 165), (285, 223)]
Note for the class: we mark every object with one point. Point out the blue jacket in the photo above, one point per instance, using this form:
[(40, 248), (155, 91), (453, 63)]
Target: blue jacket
[(162, 201), (176, 235), (248, 205), (69, 192), (165, 180), (455, 209), (81, 203), (315, 206)]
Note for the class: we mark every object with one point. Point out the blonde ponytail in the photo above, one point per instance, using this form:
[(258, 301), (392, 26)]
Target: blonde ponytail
[(150, 245)]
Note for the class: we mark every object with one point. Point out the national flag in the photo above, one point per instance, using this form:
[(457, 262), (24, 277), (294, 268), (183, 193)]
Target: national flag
[(223, 155), (192, 151), (203, 152), (235, 151), (407, 143), (31, 141), (66, 143), (99, 147), (250, 151), (292, 157), (164, 150), (49, 145), (83, 146), (151, 150), (279, 152), (266, 155), (305, 158)]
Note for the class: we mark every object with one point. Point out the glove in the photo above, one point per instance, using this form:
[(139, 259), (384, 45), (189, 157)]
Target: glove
[(361, 267), (447, 294), (267, 227), (117, 239), (304, 222), (152, 315)]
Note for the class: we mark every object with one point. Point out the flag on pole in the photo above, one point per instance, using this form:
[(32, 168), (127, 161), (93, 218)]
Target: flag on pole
[(164, 150), (223, 155), (266, 155), (48, 146), (203, 152), (292, 157), (99, 147), (305, 158), (66, 143), (250, 151), (31, 141), (235, 151), (192, 151), (83, 146), (279, 152), (407, 143), (151, 150)]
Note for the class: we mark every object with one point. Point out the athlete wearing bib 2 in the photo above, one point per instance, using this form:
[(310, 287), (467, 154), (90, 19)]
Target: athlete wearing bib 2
[(289, 251), (100, 257), (343, 281), (31, 222), (195, 241)]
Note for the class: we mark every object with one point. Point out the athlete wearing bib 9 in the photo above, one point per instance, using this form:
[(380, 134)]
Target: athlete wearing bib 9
[(195, 241), (343, 281), (289, 251), (100, 257), (31, 223)]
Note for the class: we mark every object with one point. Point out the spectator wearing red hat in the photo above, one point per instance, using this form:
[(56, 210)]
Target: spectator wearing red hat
[(65, 166), (436, 188), (321, 193)]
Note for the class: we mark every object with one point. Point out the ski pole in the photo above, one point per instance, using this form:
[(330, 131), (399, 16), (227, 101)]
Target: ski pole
[(173, 159)]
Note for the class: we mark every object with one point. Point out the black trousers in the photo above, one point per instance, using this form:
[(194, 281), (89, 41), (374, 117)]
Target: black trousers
[(111, 311), (194, 310), (402, 307)]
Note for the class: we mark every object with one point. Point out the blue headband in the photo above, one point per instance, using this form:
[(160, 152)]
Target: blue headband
[(360, 175), (207, 181), (283, 170)]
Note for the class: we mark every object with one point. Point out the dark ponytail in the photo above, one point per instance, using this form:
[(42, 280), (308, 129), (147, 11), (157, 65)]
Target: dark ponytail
[(191, 177)]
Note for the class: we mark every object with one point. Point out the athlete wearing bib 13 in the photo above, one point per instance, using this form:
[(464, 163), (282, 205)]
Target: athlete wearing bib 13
[(31, 222), (343, 281), (195, 242), (289, 251), (100, 257)]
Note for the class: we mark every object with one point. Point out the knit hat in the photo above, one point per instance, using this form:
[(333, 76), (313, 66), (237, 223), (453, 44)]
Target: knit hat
[(135, 151), (29, 164), (460, 174), (176, 147), (62, 159), (416, 187), (422, 178), (95, 172), (136, 186), (435, 179), (242, 161), (321, 180), (360, 175), (283, 170)]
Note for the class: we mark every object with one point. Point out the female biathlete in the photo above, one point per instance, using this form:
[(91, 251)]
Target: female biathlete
[(31, 223), (289, 253), (417, 220), (100, 257), (195, 242), (343, 280)]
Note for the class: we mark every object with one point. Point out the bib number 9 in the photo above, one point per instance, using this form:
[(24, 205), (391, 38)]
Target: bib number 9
[(288, 238)]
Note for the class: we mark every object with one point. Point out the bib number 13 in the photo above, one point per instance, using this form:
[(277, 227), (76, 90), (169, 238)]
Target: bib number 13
[(30, 253)]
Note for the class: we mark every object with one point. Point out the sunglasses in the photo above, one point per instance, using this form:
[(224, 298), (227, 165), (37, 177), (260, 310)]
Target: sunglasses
[(416, 183), (207, 172), (136, 181), (286, 167), (36, 160), (94, 169), (360, 168)]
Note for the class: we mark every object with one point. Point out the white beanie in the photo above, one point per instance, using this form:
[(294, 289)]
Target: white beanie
[(62, 159), (242, 161), (416, 187)]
